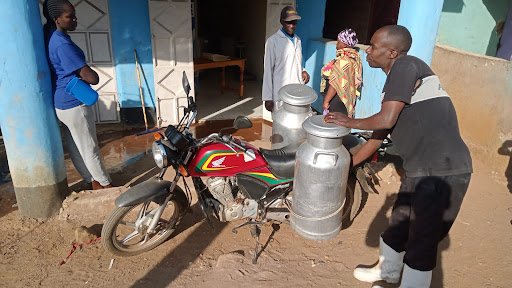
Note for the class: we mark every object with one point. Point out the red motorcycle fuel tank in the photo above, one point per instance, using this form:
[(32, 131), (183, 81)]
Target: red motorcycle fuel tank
[(218, 159)]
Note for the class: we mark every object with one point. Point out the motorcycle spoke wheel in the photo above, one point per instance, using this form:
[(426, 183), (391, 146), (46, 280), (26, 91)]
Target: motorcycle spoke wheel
[(129, 237), (125, 232)]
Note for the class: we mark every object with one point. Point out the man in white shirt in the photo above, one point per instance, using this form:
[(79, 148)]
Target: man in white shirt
[(283, 59)]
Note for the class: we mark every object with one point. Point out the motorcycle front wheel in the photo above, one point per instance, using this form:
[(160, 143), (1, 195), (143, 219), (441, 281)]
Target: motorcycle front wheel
[(125, 233)]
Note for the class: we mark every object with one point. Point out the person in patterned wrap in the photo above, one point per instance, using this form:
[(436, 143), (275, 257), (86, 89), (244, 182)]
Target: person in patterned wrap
[(342, 76)]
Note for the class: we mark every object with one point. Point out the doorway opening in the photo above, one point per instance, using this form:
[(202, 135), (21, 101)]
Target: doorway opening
[(235, 29), (364, 16)]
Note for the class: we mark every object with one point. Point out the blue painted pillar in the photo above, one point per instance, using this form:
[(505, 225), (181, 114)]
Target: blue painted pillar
[(130, 26), (27, 117), (310, 29), (311, 25), (422, 19)]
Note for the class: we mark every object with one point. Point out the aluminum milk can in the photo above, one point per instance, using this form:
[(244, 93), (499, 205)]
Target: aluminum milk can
[(321, 173), (287, 119)]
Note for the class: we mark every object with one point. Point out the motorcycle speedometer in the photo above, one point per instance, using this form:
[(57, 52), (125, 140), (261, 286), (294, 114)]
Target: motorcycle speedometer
[(159, 154)]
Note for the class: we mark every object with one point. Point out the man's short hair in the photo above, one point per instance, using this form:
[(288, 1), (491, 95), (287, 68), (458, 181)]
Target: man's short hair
[(400, 36)]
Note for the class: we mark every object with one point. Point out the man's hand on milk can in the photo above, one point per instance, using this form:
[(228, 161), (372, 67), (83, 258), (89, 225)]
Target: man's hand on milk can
[(338, 119)]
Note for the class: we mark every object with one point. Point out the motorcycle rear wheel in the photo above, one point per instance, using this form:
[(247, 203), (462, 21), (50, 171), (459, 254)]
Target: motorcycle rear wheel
[(125, 231)]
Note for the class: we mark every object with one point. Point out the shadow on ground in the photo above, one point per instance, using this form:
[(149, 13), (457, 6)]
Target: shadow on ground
[(180, 258), (506, 150)]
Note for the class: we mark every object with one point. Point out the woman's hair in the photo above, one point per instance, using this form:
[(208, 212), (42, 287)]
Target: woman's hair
[(349, 37), (52, 9), (49, 21)]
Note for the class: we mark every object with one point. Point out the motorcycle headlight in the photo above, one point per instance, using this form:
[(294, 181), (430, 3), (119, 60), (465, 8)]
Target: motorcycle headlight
[(160, 155)]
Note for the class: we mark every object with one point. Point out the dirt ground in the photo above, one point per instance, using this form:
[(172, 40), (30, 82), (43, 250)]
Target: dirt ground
[(476, 254)]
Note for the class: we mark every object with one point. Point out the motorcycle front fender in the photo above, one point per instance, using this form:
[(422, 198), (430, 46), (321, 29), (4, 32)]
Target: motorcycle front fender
[(145, 191)]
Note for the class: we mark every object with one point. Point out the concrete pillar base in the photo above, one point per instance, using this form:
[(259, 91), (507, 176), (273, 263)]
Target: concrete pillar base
[(42, 201)]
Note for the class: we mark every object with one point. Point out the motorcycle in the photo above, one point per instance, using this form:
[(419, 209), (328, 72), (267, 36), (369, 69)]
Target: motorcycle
[(241, 182)]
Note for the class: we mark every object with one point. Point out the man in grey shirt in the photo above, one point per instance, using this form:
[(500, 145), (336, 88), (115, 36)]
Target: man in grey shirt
[(422, 121)]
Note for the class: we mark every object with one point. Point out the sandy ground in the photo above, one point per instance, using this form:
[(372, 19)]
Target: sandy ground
[(476, 254)]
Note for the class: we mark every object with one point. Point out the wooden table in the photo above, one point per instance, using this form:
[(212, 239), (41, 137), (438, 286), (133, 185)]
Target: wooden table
[(203, 64)]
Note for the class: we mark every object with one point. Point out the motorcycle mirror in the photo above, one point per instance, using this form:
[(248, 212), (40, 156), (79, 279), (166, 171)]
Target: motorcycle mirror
[(184, 82), (242, 122)]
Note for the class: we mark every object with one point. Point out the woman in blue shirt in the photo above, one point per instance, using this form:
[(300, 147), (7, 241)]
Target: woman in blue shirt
[(67, 61)]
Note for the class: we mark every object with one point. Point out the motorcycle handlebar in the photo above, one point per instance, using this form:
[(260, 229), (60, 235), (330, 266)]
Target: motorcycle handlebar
[(224, 138), (227, 138)]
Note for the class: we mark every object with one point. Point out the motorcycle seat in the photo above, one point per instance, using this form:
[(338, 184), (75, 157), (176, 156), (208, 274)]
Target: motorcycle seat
[(281, 161)]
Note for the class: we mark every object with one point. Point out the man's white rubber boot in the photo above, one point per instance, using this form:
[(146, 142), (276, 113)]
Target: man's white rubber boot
[(388, 269), (415, 278)]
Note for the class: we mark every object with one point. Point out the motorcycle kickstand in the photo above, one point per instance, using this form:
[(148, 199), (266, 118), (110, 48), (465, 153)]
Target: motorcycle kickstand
[(250, 222), (255, 233)]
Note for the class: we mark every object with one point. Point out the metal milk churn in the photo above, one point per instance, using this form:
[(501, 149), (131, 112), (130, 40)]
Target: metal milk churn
[(287, 119), (321, 173)]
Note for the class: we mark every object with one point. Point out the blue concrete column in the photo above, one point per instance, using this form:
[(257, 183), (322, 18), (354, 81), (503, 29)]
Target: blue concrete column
[(130, 26), (27, 117), (311, 25), (310, 29), (422, 19)]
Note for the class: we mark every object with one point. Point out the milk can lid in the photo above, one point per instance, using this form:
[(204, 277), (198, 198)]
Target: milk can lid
[(297, 94), (315, 125)]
